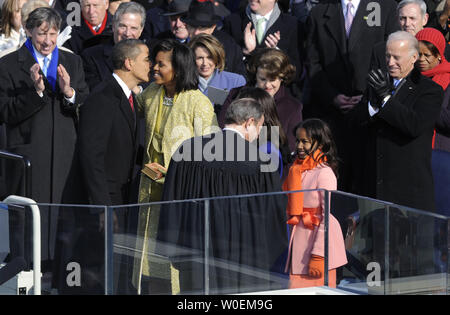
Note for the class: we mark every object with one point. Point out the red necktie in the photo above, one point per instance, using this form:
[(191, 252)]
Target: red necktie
[(130, 99)]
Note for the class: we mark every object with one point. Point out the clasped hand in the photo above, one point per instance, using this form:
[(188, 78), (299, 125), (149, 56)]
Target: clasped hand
[(381, 85), (63, 80)]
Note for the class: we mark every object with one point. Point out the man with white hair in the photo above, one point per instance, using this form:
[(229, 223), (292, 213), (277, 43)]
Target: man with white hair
[(95, 21), (399, 111), (127, 23), (412, 17)]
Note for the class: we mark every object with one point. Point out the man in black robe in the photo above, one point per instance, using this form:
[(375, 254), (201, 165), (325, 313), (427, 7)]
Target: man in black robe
[(247, 235)]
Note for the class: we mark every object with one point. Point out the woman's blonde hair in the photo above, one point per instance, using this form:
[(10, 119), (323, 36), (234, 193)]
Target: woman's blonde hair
[(212, 46), (8, 8), (29, 7)]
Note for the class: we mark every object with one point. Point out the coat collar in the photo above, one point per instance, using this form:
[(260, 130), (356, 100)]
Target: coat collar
[(359, 24), (408, 84), (124, 104), (336, 22)]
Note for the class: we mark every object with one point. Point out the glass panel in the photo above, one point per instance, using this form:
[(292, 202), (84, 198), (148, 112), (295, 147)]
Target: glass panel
[(248, 244), (418, 252), (390, 249), (158, 248), (72, 249), (363, 225)]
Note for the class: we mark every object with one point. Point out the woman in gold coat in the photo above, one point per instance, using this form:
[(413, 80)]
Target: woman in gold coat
[(174, 110)]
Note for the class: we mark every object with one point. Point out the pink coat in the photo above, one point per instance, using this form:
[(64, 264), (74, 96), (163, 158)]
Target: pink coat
[(305, 242)]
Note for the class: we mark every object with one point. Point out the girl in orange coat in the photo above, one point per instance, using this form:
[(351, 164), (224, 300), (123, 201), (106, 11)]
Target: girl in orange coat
[(314, 168)]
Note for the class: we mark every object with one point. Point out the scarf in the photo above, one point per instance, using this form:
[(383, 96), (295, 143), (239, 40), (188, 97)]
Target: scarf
[(102, 27), (52, 67), (203, 83), (440, 74), (294, 182)]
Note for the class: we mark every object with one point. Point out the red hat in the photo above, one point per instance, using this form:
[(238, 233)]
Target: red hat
[(433, 36)]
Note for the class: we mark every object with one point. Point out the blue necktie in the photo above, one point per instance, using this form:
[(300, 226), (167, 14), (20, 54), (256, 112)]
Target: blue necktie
[(44, 69)]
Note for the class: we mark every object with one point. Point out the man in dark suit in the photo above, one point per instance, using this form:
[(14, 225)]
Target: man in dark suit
[(128, 22), (202, 18), (274, 29), (104, 173), (108, 127), (341, 36), (41, 88), (95, 26), (399, 112)]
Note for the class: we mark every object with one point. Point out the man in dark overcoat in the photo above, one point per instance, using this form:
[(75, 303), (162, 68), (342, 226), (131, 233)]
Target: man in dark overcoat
[(399, 113), (41, 88)]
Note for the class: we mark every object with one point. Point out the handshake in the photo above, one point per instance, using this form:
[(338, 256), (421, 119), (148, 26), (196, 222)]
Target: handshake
[(381, 85)]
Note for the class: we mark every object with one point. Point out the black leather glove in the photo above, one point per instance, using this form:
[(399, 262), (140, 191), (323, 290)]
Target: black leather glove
[(381, 87)]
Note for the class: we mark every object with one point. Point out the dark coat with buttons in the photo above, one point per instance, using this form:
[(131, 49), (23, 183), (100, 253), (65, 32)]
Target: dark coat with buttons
[(397, 162)]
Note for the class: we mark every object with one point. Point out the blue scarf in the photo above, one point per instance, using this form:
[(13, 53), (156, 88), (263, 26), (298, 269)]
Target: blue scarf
[(52, 67)]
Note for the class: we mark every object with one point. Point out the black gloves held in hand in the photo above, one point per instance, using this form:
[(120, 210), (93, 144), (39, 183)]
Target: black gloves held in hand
[(381, 86)]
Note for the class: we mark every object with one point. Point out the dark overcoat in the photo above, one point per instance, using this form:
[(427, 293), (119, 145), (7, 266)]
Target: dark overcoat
[(42, 129)]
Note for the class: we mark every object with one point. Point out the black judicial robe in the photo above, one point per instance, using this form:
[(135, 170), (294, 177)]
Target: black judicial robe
[(247, 235)]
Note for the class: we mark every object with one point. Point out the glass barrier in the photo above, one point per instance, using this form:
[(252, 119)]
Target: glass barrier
[(163, 251), (154, 252), (391, 249), (227, 245), (72, 249)]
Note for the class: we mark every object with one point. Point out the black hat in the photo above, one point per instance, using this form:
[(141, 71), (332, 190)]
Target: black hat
[(201, 13), (221, 9), (177, 7)]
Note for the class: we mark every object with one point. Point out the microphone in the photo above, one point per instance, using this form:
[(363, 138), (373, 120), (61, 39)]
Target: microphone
[(11, 269)]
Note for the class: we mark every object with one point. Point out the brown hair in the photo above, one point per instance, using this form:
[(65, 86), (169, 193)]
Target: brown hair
[(8, 8), (275, 64), (212, 45), (269, 107)]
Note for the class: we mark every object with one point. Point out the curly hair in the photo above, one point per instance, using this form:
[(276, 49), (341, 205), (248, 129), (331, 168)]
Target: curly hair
[(275, 64)]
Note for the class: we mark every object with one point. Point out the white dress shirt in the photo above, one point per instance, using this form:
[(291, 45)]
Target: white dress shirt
[(122, 84), (266, 19), (234, 130), (354, 8)]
